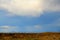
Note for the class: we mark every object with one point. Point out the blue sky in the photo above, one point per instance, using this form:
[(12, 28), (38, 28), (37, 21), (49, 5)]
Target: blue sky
[(40, 16)]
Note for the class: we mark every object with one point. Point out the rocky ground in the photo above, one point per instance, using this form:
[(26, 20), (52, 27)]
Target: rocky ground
[(30, 36)]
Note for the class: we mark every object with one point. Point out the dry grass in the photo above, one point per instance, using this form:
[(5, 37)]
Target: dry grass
[(30, 36)]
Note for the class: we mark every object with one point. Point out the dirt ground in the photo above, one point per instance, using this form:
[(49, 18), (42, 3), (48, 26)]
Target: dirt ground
[(30, 36)]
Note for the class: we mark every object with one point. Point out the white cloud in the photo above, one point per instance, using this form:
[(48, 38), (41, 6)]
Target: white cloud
[(29, 7), (8, 28), (52, 5), (33, 28), (22, 7), (37, 26)]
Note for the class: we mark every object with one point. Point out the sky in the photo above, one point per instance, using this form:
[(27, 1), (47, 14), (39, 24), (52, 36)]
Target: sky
[(30, 16)]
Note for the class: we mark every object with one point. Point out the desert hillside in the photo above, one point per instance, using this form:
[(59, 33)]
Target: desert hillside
[(30, 36)]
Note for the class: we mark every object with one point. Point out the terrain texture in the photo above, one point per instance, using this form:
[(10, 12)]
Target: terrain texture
[(30, 36)]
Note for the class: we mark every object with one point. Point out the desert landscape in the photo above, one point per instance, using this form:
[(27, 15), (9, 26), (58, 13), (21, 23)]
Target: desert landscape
[(30, 36)]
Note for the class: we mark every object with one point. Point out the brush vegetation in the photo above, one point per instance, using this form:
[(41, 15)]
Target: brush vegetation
[(30, 36)]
